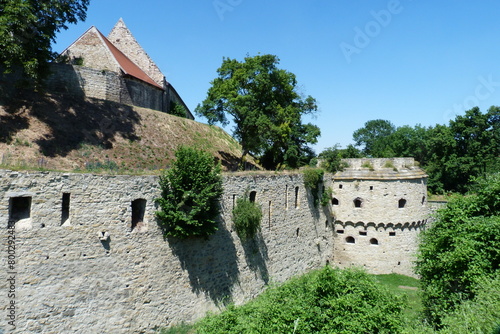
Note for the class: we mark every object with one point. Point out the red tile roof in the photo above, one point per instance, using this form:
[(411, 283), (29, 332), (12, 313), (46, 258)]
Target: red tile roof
[(127, 66)]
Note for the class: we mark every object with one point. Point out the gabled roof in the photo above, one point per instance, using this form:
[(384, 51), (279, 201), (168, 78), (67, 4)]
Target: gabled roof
[(127, 66)]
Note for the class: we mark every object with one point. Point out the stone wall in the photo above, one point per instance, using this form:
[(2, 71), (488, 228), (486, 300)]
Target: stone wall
[(105, 85), (90, 257)]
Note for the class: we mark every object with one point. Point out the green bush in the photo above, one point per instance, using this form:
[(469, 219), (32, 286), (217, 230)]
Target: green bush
[(460, 249), (191, 190), (313, 178), (323, 301), (480, 315), (247, 216), (177, 109)]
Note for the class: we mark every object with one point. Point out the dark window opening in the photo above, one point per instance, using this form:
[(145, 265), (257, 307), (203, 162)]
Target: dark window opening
[(19, 208), (296, 197), (340, 186), (371, 187), (402, 203), (357, 203), (373, 241), (335, 201), (234, 200), (138, 210), (340, 231), (65, 207), (253, 194), (362, 233), (286, 197), (392, 234), (350, 240), (297, 231), (423, 200)]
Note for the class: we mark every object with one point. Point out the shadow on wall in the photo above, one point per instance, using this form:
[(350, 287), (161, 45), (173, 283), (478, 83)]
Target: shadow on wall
[(72, 121), (212, 264), (256, 256)]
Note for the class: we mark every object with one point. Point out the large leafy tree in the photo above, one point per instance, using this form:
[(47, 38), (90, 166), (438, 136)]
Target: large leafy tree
[(374, 138), (263, 103), (27, 29)]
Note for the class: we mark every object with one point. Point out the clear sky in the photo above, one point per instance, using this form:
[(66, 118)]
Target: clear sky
[(407, 61)]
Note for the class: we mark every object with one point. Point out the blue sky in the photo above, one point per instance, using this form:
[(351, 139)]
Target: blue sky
[(408, 61)]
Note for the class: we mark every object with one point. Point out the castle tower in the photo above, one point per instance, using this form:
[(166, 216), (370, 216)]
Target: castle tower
[(379, 208)]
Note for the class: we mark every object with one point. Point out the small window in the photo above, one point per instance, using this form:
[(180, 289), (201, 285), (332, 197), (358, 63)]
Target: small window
[(340, 186), (423, 200), (358, 202), (138, 209), (253, 194), (402, 203), (350, 240), (297, 231), (296, 197), (363, 233), (19, 208), (392, 234), (335, 201), (371, 187), (65, 207), (340, 231), (373, 241)]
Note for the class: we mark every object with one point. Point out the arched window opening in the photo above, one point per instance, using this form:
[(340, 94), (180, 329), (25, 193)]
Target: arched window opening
[(253, 194), (350, 240), (296, 197), (358, 202), (373, 241), (401, 203), (335, 201)]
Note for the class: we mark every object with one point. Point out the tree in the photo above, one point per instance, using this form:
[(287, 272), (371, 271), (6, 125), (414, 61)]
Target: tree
[(27, 29), (263, 102), (460, 249), (331, 159), (191, 190), (373, 137)]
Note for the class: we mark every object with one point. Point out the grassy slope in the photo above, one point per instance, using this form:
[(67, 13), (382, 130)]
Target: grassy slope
[(53, 132)]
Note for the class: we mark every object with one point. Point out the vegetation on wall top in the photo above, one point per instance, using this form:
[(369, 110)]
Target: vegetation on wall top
[(247, 216), (191, 190)]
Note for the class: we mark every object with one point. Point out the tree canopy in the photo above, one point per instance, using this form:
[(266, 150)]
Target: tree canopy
[(263, 103), (27, 29), (451, 154)]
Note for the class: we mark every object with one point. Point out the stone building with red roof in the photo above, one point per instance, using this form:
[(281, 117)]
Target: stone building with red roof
[(114, 68)]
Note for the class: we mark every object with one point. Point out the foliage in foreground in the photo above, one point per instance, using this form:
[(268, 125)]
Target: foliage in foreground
[(460, 250), (247, 216), (190, 195), (323, 301)]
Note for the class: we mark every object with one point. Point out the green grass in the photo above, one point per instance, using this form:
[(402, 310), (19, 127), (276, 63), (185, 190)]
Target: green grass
[(408, 286)]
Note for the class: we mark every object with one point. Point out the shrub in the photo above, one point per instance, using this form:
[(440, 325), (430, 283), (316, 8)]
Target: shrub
[(247, 216), (313, 178), (460, 249), (177, 109), (191, 190), (323, 301)]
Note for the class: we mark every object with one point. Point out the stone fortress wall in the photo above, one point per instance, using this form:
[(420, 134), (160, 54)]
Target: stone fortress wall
[(90, 256)]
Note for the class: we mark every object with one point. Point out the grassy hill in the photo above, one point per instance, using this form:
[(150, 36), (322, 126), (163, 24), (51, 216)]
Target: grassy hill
[(61, 133)]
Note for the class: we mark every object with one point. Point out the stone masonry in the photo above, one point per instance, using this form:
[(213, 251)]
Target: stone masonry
[(90, 256)]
